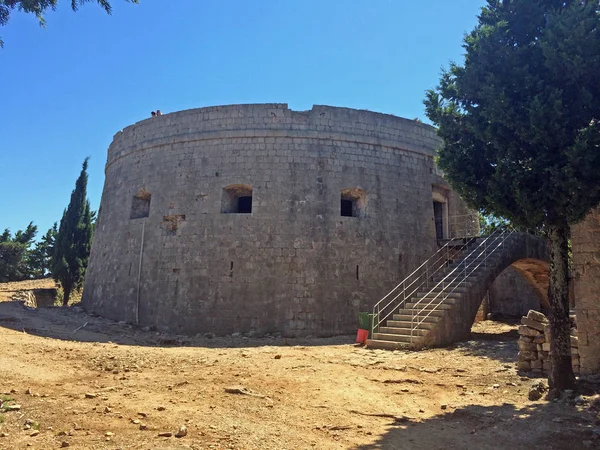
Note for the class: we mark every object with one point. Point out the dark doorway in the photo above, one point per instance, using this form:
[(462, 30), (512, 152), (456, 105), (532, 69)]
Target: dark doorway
[(244, 205), (438, 216)]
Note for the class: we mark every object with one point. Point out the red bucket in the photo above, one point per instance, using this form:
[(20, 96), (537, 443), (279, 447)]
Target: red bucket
[(362, 336)]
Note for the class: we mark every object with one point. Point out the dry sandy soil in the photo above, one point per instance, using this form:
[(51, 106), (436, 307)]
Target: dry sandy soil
[(112, 386)]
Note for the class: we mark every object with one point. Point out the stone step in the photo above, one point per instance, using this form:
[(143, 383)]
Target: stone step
[(449, 297), (397, 337), (387, 345), (425, 325), (425, 306), (407, 316), (417, 331)]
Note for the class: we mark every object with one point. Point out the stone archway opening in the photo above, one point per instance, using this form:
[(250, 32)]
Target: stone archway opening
[(520, 287)]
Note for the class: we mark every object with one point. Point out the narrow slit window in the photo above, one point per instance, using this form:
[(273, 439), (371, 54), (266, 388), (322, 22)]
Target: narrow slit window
[(140, 205), (237, 199)]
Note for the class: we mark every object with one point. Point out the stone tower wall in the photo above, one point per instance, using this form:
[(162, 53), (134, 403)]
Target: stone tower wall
[(586, 267), (293, 265)]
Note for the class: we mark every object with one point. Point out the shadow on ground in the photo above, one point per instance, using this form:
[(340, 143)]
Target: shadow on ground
[(73, 324), (549, 425)]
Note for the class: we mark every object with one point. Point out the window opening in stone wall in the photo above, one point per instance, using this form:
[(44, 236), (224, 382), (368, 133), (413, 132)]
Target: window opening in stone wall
[(140, 205), (438, 215), (237, 199), (352, 203), (245, 205), (347, 207)]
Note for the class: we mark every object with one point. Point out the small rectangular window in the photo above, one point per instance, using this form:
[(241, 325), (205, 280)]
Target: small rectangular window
[(244, 205), (353, 203), (140, 205), (347, 206), (237, 199)]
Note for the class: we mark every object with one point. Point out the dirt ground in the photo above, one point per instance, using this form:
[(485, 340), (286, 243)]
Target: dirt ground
[(111, 386)]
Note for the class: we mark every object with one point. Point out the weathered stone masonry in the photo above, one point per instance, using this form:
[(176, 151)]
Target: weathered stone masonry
[(586, 268), (175, 247)]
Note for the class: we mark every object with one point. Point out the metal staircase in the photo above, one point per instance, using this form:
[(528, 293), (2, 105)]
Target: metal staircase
[(411, 313)]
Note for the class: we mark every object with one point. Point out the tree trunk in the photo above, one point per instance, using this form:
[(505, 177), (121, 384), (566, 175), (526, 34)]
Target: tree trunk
[(561, 375), (66, 295)]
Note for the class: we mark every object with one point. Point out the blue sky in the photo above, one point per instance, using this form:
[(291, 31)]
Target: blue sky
[(67, 89)]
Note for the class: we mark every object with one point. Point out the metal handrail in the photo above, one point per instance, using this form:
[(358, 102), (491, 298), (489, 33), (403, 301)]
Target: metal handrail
[(494, 242), (426, 271)]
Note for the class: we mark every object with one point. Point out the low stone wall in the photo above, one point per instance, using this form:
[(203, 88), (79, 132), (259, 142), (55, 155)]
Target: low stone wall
[(534, 344)]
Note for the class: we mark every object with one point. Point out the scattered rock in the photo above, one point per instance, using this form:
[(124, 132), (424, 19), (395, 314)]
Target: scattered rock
[(243, 390), (90, 395), (536, 391), (181, 432), (277, 356), (160, 408), (64, 444), (143, 426), (34, 433), (109, 434), (165, 434), (3, 435), (9, 408), (443, 406)]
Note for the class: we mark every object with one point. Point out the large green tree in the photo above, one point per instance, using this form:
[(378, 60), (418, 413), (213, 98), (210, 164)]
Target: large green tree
[(519, 121), (40, 7), (14, 264), (73, 241)]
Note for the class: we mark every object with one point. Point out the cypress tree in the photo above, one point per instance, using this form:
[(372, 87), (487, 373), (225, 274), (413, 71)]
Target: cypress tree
[(520, 120), (73, 241)]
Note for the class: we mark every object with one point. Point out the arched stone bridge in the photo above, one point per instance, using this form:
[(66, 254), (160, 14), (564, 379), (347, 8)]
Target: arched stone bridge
[(445, 313)]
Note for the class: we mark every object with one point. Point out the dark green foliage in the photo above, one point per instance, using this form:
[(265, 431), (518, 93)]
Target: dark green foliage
[(13, 254), (520, 119), (39, 258), (73, 241), (39, 7), (521, 130)]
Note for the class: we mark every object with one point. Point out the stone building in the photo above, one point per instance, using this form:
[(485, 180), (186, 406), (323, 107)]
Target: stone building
[(586, 269), (256, 217)]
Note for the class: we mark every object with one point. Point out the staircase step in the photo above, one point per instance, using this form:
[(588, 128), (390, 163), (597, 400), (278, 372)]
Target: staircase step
[(397, 337), (408, 317), (387, 345), (442, 295), (396, 331), (425, 325), (425, 306)]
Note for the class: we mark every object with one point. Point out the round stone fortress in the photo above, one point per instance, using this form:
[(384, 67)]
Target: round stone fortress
[(258, 218)]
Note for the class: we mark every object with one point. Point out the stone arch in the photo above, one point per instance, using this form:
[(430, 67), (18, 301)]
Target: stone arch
[(521, 250)]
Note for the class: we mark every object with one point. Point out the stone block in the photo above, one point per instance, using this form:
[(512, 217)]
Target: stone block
[(527, 356), (544, 355), (536, 365), (526, 331), (574, 341), (546, 347), (537, 316), (532, 324), (539, 339), (524, 365), (574, 351), (527, 346)]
